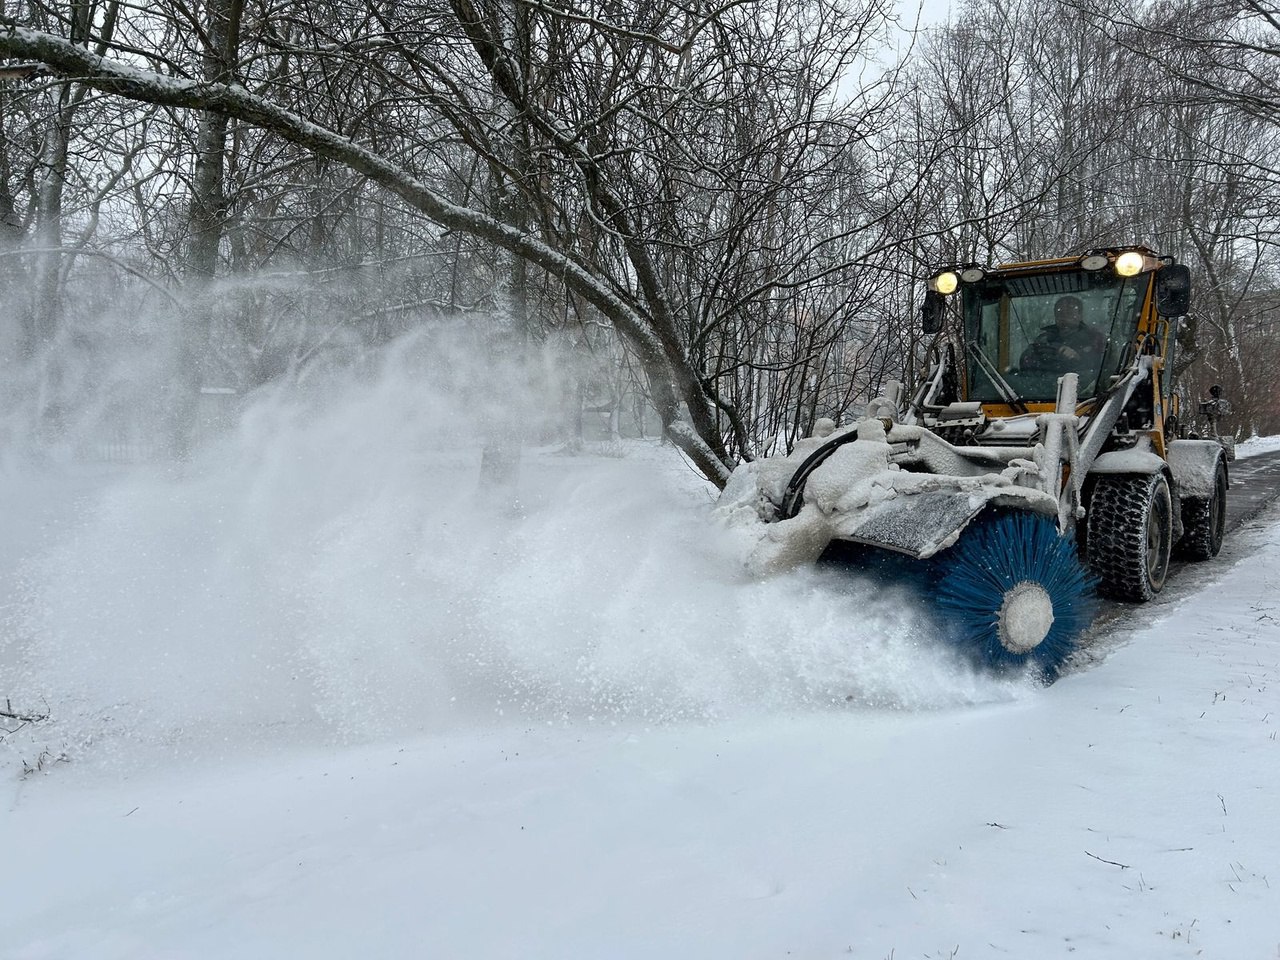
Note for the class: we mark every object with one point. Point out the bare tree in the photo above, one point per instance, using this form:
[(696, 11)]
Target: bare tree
[(623, 181)]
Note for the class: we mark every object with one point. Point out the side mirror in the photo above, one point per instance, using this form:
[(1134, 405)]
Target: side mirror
[(932, 311), (1173, 290)]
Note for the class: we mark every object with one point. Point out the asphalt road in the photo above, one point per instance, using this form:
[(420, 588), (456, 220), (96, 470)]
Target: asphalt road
[(1255, 483), (1255, 486)]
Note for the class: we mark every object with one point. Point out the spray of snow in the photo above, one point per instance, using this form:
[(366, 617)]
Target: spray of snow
[(332, 571)]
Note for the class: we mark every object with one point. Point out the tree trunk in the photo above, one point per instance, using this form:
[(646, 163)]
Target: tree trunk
[(504, 431), (206, 223)]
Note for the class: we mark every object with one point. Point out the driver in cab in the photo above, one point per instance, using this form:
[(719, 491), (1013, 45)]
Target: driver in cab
[(1067, 344)]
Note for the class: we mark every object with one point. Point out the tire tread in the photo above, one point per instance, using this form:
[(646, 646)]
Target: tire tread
[(1199, 539), (1117, 536)]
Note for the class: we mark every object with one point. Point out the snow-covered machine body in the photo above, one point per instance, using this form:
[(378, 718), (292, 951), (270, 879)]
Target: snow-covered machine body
[(1041, 456)]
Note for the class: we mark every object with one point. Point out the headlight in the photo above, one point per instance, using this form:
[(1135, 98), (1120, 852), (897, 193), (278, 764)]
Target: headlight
[(972, 274), (1129, 264), (1094, 261), (946, 282)]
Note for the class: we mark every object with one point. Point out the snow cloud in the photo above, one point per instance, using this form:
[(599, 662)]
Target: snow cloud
[(332, 570)]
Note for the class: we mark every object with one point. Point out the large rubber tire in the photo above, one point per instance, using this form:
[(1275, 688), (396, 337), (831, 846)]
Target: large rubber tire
[(1204, 520), (1130, 533)]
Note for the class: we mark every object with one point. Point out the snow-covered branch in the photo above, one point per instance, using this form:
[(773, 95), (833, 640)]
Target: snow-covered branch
[(663, 361)]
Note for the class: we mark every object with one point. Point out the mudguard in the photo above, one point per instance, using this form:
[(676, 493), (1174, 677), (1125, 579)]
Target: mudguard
[(1143, 462), (1194, 464)]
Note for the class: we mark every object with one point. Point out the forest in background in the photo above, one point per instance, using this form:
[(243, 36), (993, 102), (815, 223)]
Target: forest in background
[(711, 219)]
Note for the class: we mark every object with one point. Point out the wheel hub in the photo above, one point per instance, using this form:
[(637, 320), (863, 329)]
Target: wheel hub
[(1025, 617)]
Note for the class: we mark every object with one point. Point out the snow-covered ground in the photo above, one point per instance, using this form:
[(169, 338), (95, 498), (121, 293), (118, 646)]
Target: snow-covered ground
[(319, 697), (1256, 445)]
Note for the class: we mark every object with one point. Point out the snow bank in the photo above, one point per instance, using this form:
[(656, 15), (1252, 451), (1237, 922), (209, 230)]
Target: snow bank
[(1256, 445)]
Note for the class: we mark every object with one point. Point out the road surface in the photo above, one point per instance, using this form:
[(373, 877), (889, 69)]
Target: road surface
[(1255, 483)]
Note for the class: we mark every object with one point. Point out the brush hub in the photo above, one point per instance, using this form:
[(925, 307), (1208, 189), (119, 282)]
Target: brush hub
[(1025, 617)]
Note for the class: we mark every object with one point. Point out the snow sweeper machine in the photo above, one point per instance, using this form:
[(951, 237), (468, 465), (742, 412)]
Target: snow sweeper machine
[(1041, 458)]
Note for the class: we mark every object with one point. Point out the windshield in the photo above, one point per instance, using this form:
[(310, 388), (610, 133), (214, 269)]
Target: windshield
[(1028, 331)]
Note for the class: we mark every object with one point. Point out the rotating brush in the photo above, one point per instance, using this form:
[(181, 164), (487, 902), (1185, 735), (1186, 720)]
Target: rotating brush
[(1013, 591)]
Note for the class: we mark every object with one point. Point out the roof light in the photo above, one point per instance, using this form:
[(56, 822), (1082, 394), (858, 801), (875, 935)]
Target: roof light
[(972, 274), (1093, 261), (1129, 263), (945, 282)]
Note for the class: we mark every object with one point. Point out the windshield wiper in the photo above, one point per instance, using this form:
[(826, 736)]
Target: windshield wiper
[(1010, 395)]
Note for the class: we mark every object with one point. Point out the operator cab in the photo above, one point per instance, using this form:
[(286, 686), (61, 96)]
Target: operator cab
[(1109, 316), (1024, 331)]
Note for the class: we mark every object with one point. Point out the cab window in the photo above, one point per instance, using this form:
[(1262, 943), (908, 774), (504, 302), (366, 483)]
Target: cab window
[(1023, 333)]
